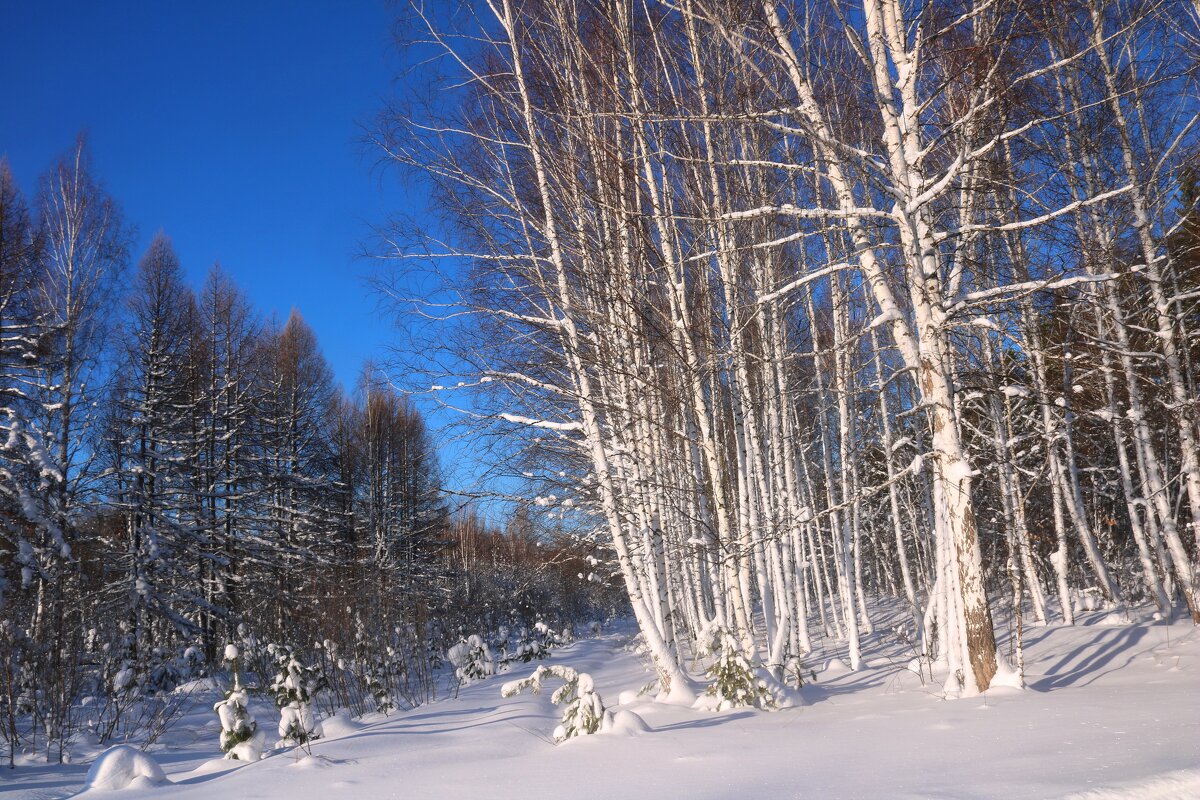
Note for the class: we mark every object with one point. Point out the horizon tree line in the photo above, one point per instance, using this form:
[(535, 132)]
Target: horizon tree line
[(178, 472)]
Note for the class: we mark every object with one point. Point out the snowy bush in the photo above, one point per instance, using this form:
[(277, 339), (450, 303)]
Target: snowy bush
[(241, 739), (530, 647), (295, 686), (130, 694), (380, 668), (123, 767), (735, 683), (191, 663), (535, 643), (472, 659), (584, 711)]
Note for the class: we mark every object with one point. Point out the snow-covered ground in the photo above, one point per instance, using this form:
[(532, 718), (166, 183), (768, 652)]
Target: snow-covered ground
[(1111, 711)]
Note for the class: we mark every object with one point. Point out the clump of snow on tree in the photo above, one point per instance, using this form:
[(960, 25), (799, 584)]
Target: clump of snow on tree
[(623, 722)]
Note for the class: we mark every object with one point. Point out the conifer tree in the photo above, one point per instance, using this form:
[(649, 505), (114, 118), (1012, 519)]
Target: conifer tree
[(148, 446), (241, 740)]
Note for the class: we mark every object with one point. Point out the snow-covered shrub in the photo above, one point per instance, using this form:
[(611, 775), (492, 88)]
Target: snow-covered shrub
[(377, 685), (191, 663), (500, 648), (535, 643), (254, 658), (124, 767), (433, 641), (241, 739), (295, 687), (381, 666), (472, 659), (530, 647), (116, 688), (584, 711), (16, 682), (735, 683), (549, 637)]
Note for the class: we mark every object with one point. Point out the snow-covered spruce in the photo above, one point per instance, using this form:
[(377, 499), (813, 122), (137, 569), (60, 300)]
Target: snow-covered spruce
[(535, 643), (295, 686), (378, 668), (472, 659), (381, 661), (735, 683), (241, 740), (584, 710)]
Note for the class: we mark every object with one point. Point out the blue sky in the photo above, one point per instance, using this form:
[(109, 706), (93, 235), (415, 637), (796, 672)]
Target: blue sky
[(235, 127)]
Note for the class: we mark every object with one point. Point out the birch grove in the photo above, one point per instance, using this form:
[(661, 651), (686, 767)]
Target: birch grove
[(802, 332), (795, 307)]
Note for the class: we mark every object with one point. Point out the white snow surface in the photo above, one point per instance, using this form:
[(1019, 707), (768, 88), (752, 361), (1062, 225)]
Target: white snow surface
[(1110, 712), (123, 767)]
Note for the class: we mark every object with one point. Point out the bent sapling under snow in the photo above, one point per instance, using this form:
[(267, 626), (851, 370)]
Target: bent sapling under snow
[(584, 711)]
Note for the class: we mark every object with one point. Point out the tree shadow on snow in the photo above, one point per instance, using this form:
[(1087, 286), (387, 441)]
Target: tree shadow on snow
[(704, 722), (1092, 659), (46, 780), (428, 728), (848, 683), (458, 712)]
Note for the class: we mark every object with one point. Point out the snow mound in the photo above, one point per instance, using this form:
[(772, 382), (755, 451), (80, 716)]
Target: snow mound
[(197, 686), (341, 724), (1115, 618), (1006, 678), (251, 749), (707, 702), (123, 767), (680, 695), (1168, 786), (623, 723), (835, 666)]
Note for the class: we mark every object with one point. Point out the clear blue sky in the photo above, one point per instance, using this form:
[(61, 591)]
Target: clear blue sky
[(232, 126)]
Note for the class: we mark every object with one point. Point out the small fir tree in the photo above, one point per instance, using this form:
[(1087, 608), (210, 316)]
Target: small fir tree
[(734, 682), (472, 659), (583, 713), (295, 687), (531, 646), (241, 739)]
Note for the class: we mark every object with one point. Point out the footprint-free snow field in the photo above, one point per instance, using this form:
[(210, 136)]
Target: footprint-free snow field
[(1110, 711)]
